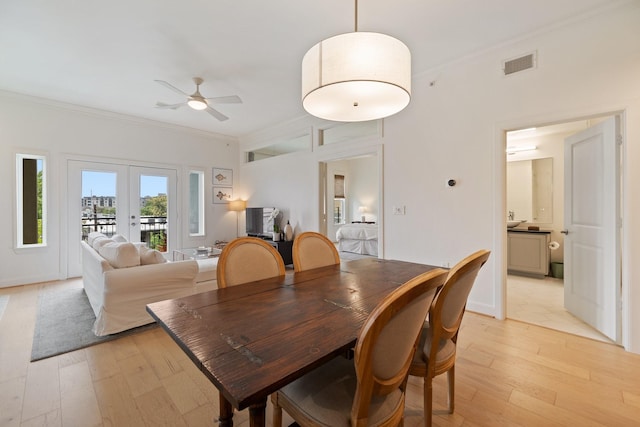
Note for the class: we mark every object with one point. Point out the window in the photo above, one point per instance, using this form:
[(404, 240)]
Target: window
[(279, 148), (338, 200), (31, 201), (338, 211), (196, 203), (345, 132)]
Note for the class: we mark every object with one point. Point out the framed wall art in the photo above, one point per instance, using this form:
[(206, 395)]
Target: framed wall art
[(222, 194), (222, 177)]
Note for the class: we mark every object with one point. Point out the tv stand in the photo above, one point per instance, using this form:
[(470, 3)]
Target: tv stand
[(284, 248)]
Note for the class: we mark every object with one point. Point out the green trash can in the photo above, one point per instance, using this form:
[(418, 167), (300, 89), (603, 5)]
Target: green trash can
[(557, 270)]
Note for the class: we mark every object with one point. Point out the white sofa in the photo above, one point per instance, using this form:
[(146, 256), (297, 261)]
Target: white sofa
[(121, 278)]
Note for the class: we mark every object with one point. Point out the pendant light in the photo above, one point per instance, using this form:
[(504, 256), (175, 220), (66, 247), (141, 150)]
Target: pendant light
[(356, 77)]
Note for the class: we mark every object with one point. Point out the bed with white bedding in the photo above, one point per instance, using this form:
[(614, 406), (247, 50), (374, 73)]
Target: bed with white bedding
[(358, 238)]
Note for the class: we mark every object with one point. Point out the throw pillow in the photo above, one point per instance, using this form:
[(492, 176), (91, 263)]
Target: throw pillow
[(100, 241), (119, 238), (150, 256), (120, 255), (92, 236)]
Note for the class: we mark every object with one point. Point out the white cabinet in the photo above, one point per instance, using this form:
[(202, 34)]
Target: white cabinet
[(528, 253)]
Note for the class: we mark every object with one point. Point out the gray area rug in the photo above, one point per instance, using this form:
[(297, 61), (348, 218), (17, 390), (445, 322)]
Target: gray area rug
[(64, 322)]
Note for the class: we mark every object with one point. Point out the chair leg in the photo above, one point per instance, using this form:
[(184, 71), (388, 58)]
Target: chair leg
[(428, 404), (451, 379), (277, 411)]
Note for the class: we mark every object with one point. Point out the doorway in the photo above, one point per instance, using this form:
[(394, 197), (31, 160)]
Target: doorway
[(541, 300), (136, 202), (359, 202)]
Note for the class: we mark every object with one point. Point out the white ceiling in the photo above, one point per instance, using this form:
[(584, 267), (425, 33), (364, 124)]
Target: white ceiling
[(107, 54)]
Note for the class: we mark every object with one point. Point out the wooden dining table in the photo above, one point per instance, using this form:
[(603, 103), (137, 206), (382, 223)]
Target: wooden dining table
[(252, 339)]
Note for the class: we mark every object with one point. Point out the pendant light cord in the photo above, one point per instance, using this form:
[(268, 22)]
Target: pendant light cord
[(356, 16)]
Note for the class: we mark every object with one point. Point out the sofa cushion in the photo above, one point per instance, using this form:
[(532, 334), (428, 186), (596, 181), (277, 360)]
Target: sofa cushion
[(92, 236), (100, 241), (150, 256), (120, 255), (119, 238)]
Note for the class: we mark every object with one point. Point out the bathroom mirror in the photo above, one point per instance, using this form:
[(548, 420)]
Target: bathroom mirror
[(530, 190)]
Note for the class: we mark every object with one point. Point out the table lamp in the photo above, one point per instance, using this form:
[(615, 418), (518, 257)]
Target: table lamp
[(362, 210)]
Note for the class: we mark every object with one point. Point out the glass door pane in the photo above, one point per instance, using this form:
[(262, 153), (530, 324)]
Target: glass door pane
[(98, 202), (153, 211), (152, 208)]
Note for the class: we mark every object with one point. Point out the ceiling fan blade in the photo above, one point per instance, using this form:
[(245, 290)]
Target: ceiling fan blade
[(217, 114), (225, 100), (171, 87), (169, 106)]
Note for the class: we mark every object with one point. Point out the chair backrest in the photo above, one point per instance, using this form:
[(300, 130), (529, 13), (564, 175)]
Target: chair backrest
[(447, 310), (247, 259), (388, 340), (313, 250)]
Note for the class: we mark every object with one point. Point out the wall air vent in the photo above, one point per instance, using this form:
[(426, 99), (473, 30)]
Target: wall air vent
[(526, 62)]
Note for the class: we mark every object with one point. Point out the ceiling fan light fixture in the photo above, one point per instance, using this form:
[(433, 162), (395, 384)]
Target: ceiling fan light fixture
[(356, 77), (197, 104)]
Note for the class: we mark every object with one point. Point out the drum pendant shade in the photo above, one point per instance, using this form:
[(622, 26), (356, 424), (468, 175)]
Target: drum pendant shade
[(356, 77)]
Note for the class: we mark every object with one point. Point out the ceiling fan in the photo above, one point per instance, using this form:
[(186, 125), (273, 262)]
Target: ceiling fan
[(197, 101)]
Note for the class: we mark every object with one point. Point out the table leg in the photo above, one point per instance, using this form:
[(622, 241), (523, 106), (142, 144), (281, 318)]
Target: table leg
[(257, 414), (226, 412)]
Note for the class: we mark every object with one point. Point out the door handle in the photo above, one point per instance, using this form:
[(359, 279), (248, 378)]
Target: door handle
[(564, 231), (133, 224)]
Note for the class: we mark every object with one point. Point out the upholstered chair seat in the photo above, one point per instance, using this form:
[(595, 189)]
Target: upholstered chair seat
[(327, 394), (446, 351)]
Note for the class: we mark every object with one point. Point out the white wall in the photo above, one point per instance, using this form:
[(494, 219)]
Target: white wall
[(288, 182), (63, 132), (363, 188), (454, 128)]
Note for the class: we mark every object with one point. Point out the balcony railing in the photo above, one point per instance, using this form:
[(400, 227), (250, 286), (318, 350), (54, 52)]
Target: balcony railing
[(149, 226)]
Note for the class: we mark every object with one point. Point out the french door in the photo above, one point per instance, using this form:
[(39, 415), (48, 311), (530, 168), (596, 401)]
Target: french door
[(136, 202)]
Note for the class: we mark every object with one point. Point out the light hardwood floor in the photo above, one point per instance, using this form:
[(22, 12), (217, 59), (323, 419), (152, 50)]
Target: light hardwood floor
[(508, 374), (541, 302)]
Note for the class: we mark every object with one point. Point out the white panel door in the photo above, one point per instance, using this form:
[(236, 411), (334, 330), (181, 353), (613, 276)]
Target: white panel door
[(592, 254)]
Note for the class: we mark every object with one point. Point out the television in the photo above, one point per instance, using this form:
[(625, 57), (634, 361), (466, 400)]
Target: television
[(258, 224)]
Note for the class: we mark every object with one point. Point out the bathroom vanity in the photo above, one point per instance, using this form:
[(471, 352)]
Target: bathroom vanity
[(528, 252)]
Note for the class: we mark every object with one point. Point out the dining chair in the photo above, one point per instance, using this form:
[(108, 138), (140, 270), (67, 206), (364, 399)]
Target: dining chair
[(442, 326), (247, 259), (370, 389), (313, 250)]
